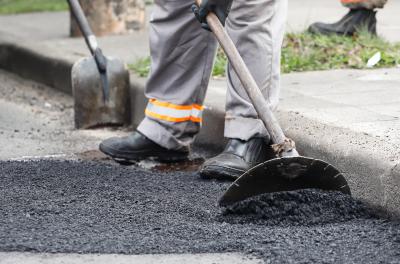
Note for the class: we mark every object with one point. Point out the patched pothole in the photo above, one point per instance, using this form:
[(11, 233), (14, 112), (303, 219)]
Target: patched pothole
[(95, 207)]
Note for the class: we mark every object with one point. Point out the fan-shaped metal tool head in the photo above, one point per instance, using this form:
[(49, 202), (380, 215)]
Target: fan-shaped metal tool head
[(286, 174)]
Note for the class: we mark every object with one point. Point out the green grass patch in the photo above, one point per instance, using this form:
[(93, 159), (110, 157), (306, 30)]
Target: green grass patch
[(308, 52), (27, 6), (141, 67)]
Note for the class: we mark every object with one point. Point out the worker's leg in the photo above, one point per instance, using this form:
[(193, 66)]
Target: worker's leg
[(361, 16), (182, 55), (257, 29)]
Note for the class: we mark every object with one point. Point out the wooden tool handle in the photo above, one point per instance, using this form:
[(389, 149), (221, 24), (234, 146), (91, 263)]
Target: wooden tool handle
[(247, 80), (84, 26)]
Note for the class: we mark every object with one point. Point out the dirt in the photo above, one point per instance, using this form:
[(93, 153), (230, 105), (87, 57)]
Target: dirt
[(37, 120), (88, 207)]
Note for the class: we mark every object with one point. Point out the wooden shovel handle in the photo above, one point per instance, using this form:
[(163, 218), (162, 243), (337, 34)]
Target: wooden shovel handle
[(247, 80)]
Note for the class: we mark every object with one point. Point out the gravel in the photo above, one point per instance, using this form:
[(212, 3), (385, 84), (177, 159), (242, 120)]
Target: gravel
[(88, 207), (301, 208)]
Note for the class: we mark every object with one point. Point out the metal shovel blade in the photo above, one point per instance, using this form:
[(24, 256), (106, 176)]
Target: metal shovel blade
[(285, 174), (91, 108)]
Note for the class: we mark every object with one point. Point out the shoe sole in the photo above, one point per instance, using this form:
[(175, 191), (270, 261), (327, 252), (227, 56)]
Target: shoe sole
[(129, 158), (220, 173)]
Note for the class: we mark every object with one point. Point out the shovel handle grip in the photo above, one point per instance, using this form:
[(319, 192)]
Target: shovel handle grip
[(247, 80), (84, 26)]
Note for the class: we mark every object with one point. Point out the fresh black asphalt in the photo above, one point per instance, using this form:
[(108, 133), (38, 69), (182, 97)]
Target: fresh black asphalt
[(87, 207)]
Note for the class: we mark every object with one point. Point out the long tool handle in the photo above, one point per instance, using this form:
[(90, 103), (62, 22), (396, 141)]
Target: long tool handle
[(248, 82), (91, 41), (80, 17)]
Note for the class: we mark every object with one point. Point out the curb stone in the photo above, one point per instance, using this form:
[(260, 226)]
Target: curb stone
[(40, 64)]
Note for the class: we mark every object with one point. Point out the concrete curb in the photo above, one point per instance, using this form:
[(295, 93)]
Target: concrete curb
[(39, 64), (373, 175)]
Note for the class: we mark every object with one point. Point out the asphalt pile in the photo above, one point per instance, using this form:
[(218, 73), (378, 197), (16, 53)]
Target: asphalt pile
[(85, 207), (303, 207)]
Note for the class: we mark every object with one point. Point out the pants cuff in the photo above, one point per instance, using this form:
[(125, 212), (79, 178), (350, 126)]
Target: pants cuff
[(159, 134), (245, 128)]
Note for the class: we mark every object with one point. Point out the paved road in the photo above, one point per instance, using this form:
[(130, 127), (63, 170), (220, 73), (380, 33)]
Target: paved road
[(38, 121), (31, 127), (74, 258), (71, 207)]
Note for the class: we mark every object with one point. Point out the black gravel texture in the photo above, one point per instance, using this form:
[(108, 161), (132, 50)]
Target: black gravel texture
[(87, 207), (300, 208)]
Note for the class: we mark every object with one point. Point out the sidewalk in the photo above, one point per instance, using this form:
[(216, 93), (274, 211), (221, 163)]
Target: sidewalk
[(301, 14), (348, 117)]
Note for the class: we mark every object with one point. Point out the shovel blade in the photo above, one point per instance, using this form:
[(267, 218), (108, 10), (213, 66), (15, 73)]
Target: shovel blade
[(285, 174), (90, 107)]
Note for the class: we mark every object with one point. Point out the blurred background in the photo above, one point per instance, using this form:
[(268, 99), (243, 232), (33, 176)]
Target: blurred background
[(302, 51)]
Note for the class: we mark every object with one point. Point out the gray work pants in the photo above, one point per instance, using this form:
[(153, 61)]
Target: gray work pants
[(182, 55)]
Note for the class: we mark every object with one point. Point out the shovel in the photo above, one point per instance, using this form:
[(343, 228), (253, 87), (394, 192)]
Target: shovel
[(100, 84), (289, 171)]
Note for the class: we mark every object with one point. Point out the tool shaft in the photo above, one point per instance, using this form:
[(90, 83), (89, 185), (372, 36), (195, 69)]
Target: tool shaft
[(260, 104), (91, 41), (87, 32)]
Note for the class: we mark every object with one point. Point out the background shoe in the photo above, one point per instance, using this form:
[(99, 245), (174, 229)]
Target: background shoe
[(238, 157), (137, 147), (355, 20)]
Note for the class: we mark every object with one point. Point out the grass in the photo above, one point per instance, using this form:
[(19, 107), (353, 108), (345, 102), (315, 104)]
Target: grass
[(27, 6), (308, 52), (141, 67)]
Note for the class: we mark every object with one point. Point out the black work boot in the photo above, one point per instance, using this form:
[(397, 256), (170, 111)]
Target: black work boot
[(355, 20), (238, 157), (137, 147)]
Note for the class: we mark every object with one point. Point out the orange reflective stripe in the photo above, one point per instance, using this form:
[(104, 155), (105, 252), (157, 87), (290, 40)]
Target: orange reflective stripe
[(173, 119), (198, 107), (174, 106), (196, 119), (174, 113)]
